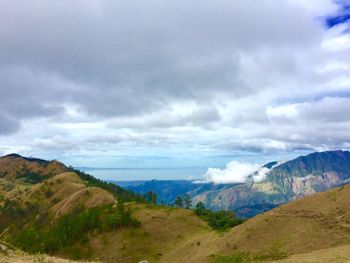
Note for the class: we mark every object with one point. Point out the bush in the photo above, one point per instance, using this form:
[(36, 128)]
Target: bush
[(221, 220), (32, 178)]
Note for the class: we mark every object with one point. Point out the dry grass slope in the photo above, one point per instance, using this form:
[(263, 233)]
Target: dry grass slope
[(12, 166), (316, 222), (340, 254), (161, 232)]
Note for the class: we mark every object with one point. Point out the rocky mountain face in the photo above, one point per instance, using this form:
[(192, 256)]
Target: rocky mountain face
[(312, 173), (297, 178)]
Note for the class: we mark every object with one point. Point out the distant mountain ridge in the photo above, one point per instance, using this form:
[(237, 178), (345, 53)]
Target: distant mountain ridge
[(293, 179), (168, 190), (315, 172)]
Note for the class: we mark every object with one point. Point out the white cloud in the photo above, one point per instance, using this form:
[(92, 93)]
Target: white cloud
[(280, 112), (235, 172), (261, 174), (238, 172)]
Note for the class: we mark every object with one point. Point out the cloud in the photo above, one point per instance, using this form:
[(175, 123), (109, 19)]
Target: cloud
[(184, 77), (235, 172), (238, 172)]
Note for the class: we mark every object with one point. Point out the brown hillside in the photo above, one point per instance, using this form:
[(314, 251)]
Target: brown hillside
[(15, 166), (161, 232), (63, 192), (315, 222)]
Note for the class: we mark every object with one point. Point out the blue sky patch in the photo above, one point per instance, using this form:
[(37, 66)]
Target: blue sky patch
[(342, 17)]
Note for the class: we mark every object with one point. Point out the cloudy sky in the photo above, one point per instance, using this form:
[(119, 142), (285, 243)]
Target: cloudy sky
[(162, 83)]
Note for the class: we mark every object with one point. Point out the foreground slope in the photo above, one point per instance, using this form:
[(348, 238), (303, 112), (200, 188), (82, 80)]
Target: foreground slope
[(162, 230), (339, 254), (8, 255), (315, 222)]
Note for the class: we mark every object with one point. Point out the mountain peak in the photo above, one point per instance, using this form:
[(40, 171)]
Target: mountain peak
[(13, 155)]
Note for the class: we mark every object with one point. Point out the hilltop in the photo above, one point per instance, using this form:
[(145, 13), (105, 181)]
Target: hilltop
[(14, 166)]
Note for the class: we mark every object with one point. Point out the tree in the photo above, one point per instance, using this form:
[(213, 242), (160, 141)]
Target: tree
[(179, 202), (154, 198), (200, 208), (187, 201), (220, 220), (151, 197)]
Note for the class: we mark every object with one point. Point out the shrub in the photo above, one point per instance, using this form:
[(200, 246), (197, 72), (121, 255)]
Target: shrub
[(221, 220)]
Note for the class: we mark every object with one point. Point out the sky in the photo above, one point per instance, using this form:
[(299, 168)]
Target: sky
[(173, 84)]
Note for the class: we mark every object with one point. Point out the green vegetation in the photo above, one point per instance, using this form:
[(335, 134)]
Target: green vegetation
[(273, 253), (221, 220), (72, 228), (13, 213), (187, 201), (179, 202), (183, 201), (32, 178), (151, 197)]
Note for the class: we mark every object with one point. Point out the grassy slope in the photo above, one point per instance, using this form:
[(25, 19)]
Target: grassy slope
[(15, 166), (162, 230), (340, 254), (316, 222), (21, 257), (59, 194)]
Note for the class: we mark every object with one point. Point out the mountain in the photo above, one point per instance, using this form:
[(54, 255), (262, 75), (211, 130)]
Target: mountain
[(297, 178), (73, 215), (312, 173), (168, 190)]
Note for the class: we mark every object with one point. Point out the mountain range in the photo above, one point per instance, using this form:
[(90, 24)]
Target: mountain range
[(49, 208), (288, 181)]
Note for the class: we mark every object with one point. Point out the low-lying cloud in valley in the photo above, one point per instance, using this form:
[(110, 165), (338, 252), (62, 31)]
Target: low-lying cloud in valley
[(236, 172)]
